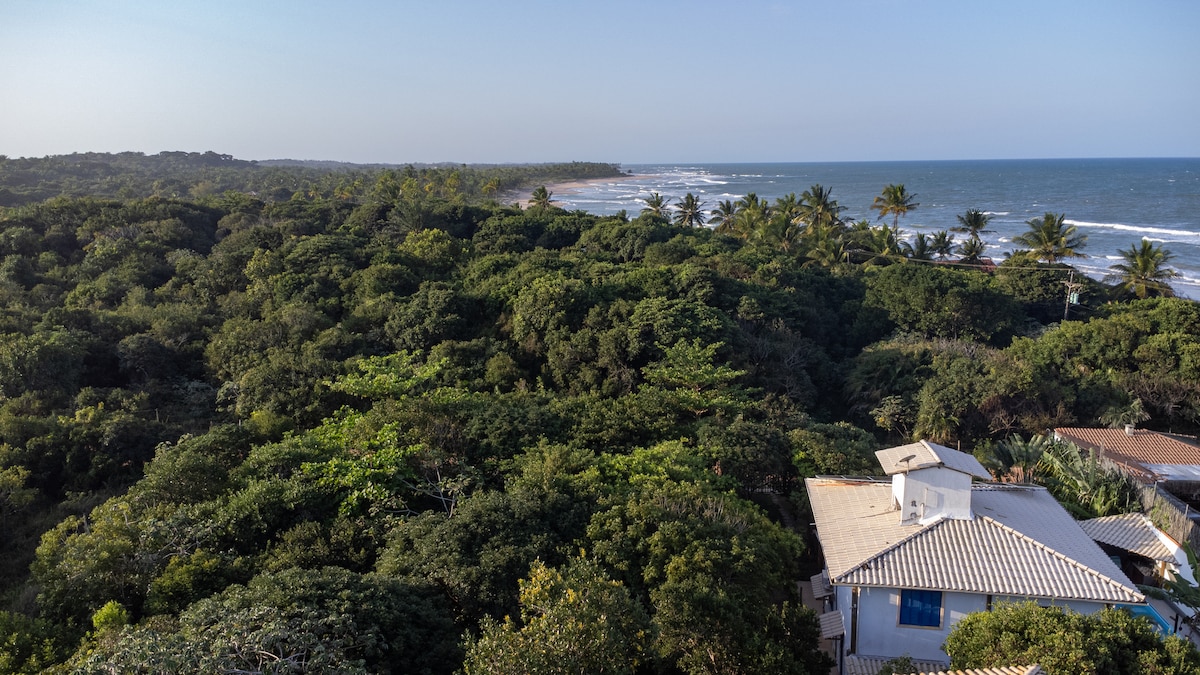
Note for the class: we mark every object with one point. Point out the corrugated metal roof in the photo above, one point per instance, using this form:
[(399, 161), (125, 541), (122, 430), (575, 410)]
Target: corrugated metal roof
[(1131, 532), (1021, 542), (1141, 446), (923, 454)]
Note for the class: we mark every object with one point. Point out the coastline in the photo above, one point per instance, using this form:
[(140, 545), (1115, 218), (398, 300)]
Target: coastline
[(521, 197)]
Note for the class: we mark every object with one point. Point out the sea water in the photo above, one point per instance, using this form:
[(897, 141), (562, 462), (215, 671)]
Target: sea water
[(1115, 202)]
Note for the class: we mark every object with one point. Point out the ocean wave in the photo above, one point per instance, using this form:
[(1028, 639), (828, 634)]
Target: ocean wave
[(1134, 228), (996, 213)]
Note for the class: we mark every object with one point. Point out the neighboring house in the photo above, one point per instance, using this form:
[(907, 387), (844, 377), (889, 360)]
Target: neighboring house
[(1147, 555), (1150, 557), (907, 558), (1149, 456)]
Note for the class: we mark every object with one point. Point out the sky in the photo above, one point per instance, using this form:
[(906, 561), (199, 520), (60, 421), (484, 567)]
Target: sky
[(490, 81)]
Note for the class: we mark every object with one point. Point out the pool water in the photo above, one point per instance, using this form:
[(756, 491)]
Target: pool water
[(1160, 624)]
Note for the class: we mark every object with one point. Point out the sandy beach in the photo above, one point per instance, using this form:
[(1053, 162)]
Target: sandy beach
[(521, 198)]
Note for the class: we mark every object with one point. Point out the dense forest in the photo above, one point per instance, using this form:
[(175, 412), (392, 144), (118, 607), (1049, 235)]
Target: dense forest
[(289, 419)]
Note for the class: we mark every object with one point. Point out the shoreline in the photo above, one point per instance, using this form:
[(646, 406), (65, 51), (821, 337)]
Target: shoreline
[(521, 197)]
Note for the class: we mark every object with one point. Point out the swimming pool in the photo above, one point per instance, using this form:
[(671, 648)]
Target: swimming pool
[(1160, 624)]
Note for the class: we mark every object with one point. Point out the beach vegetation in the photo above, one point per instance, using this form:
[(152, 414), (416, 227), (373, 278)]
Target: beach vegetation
[(973, 223), (1051, 239), (895, 201), (541, 197), (1143, 271), (656, 205), (689, 211)]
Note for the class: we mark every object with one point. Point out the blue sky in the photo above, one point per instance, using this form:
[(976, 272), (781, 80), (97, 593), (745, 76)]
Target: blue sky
[(620, 81)]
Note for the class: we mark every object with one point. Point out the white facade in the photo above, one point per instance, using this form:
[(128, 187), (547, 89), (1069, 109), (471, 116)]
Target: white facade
[(872, 624)]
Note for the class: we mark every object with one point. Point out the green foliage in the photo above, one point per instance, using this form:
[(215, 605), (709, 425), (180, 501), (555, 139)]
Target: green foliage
[(477, 555), (112, 616), (28, 645), (937, 302), (1076, 477), (710, 565), (1062, 641), (295, 621), (573, 620), (834, 449)]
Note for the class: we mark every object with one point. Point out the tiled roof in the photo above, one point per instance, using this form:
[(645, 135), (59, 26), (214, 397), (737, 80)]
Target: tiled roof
[(871, 665), (923, 454), (820, 585), (1005, 670), (1141, 446), (1021, 542), (1131, 532), (832, 624)]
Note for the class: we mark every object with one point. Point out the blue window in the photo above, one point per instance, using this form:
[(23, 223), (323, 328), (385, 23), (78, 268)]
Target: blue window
[(920, 608)]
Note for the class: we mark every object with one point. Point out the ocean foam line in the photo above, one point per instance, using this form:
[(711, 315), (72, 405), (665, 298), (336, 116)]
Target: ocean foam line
[(1134, 228)]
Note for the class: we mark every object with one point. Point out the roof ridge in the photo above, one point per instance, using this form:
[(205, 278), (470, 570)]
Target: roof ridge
[(1062, 556), (895, 545)]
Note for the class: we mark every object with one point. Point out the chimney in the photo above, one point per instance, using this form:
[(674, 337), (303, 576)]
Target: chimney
[(1129, 429)]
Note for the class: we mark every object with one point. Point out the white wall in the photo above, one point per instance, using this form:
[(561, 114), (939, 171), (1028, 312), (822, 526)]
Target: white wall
[(938, 492), (880, 632)]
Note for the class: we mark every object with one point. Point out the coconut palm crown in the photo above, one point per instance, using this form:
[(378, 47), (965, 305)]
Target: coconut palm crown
[(974, 223), (895, 201), (689, 211), (1144, 272), (1049, 238)]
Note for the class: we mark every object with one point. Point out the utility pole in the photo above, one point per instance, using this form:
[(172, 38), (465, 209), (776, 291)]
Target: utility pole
[(1072, 294)]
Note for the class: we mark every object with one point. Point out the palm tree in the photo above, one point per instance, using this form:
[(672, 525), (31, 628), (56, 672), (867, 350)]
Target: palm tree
[(971, 251), (919, 249), (974, 223), (818, 209), (689, 211), (1015, 460), (1049, 238), (1144, 273), (723, 217), (540, 197), (788, 206), (942, 244), (752, 217), (656, 205), (779, 231), (895, 201), (876, 245), (826, 249)]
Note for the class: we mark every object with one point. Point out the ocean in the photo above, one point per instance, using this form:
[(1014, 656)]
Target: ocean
[(1115, 202)]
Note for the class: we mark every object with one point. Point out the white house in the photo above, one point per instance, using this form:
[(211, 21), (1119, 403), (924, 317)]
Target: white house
[(907, 558)]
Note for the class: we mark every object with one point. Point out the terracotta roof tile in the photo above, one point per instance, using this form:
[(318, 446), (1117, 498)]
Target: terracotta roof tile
[(1151, 450)]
